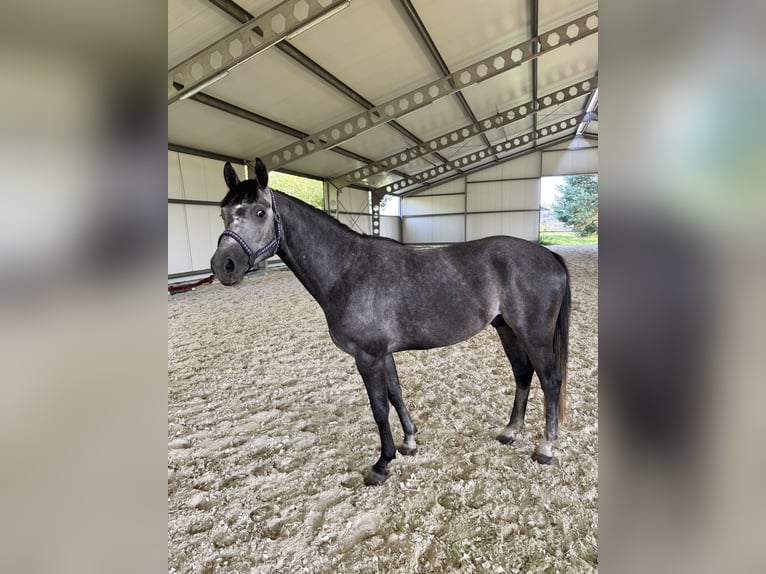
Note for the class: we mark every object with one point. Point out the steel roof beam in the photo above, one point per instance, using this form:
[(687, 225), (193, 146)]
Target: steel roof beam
[(240, 14), (458, 175), (253, 37), (481, 156), (423, 96), (463, 133)]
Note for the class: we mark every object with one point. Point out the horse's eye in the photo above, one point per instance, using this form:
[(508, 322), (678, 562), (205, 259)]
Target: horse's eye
[(260, 213)]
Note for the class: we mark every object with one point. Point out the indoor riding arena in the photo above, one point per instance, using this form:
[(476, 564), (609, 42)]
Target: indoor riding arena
[(432, 124)]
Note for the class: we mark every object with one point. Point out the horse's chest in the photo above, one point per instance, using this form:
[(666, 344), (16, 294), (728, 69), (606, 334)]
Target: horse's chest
[(354, 329)]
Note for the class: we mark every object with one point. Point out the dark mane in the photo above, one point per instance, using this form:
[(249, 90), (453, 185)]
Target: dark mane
[(245, 192)]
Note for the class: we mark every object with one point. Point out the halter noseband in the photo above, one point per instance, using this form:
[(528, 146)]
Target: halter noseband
[(273, 244)]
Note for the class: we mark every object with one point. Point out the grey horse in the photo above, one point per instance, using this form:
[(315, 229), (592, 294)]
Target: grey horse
[(380, 297)]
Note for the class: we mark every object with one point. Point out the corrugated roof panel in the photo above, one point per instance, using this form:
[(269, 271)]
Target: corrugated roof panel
[(324, 164), (465, 147), (465, 32), (552, 13), (562, 111), (273, 85), (380, 180), (258, 7), (418, 165), (500, 93), (518, 128), (371, 48), (193, 25), (439, 118), (199, 126), (377, 143), (567, 64)]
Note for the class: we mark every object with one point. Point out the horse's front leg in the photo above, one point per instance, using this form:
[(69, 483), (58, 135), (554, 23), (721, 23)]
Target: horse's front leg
[(373, 374)]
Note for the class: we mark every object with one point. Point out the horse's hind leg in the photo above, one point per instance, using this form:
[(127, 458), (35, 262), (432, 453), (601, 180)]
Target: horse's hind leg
[(550, 379), (522, 373), (373, 373), (409, 446)]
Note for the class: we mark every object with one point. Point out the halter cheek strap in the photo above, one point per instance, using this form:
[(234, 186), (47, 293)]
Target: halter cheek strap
[(273, 244)]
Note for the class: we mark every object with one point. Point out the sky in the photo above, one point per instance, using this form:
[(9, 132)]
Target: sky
[(548, 189)]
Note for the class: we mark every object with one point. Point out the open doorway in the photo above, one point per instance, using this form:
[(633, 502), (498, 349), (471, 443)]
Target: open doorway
[(569, 210)]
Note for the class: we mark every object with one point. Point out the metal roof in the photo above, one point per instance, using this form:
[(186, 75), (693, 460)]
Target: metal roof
[(390, 95)]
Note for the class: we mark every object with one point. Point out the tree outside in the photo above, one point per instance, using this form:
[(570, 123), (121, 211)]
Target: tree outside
[(577, 203), (309, 190)]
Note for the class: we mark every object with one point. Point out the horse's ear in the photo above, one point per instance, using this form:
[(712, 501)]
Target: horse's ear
[(230, 176), (261, 173)]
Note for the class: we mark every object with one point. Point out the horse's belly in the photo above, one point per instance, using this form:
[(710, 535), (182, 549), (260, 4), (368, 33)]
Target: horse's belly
[(440, 331)]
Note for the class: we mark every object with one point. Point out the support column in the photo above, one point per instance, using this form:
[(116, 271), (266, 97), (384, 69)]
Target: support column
[(375, 198)]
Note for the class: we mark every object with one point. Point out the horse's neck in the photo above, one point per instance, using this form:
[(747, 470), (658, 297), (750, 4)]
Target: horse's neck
[(313, 246)]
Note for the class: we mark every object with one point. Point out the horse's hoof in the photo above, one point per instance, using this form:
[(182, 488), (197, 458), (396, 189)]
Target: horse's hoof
[(505, 439), (374, 478), (406, 450), (542, 458)]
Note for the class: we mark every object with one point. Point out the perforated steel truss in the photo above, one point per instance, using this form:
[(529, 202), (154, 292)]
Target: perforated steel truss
[(420, 97), (254, 36), (473, 158), (468, 131)]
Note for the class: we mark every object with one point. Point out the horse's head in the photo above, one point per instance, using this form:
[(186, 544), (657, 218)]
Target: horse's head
[(252, 225)]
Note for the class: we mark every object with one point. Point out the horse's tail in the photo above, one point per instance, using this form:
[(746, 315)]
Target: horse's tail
[(561, 339)]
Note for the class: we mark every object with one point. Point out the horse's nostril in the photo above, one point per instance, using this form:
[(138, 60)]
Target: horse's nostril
[(229, 267)]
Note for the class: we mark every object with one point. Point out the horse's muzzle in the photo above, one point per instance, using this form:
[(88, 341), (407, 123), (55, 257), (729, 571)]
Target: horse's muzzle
[(228, 267)]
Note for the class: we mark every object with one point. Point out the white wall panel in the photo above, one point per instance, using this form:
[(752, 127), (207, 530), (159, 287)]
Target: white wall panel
[(504, 195), (524, 166), (175, 182), (198, 178), (215, 186), (419, 205), (389, 227), (525, 225), (353, 200), (454, 186), (202, 237), (444, 229), (573, 162), (193, 177), (179, 259), (359, 223)]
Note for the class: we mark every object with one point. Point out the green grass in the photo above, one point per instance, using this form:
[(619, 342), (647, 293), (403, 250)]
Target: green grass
[(564, 238)]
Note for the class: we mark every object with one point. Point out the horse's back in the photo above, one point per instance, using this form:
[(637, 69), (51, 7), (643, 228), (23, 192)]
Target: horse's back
[(497, 258)]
